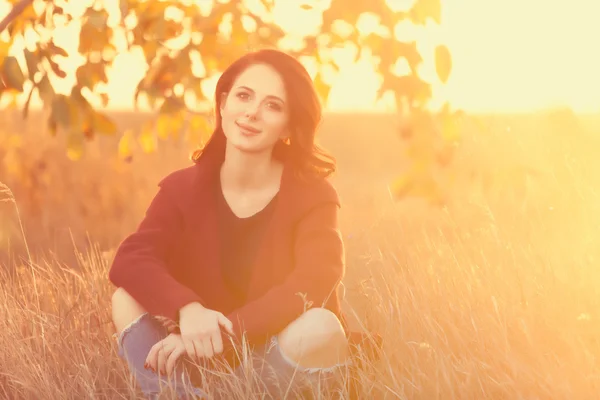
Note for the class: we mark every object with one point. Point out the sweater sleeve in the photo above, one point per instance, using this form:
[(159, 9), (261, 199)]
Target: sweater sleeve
[(319, 266), (140, 265)]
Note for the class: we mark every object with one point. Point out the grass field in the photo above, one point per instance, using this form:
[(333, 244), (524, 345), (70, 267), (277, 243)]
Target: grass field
[(496, 295)]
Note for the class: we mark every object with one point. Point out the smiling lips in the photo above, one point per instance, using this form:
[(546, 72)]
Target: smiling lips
[(247, 129)]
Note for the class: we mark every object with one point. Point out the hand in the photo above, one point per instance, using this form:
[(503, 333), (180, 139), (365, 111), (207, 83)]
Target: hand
[(201, 331), (163, 356)]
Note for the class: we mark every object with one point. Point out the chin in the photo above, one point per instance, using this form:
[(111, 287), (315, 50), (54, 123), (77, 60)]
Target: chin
[(253, 148)]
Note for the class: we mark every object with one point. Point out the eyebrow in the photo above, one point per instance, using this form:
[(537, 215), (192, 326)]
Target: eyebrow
[(269, 96)]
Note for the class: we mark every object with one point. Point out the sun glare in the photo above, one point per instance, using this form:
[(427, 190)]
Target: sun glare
[(509, 55)]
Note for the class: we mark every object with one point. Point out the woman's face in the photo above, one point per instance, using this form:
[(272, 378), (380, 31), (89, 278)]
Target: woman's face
[(255, 112)]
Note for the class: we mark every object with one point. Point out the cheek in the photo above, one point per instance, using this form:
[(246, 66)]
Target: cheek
[(231, 111), (276, 122)]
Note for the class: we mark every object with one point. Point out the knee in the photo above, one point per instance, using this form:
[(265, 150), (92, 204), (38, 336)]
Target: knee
[(316, 337), (322, 321), (121, 298), (124, 308), (315, 327)]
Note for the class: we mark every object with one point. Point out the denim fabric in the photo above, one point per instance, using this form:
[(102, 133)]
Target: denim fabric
[(277, 375)]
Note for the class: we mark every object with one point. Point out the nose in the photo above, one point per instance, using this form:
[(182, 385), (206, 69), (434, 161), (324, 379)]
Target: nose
[(252, 110)]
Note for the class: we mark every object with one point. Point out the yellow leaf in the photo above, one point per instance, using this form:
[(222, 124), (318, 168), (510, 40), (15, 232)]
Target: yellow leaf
[(103, 124), (400, 187), (61, 110), (239, 36), (147, 140), (74, 146), (177, 122), (443, 62), (200, 123), (445, 154), (150, 48), (322, 88), (56, 50), (52, 127), (126, 146), (97, 18), (199, 130), (4, 48), (46, 91), (425, 9), (12, 75), (211, 64), (32, 59), (374, 42), (172, 105), (417, 185), (450, 131), (104, 98), (162, 126)]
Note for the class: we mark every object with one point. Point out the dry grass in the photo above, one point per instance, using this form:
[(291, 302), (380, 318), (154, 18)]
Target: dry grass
[(494, 296)]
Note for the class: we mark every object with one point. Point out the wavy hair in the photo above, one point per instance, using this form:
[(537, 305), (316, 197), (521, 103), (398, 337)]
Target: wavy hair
[(306, 158)]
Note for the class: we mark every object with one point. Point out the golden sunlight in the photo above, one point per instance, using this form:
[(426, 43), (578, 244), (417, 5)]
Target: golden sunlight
[(509, 55)]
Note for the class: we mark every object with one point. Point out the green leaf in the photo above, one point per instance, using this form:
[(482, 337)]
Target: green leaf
[(12, 75), (443, 62)]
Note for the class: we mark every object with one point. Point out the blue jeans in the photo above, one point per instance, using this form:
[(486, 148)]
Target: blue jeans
[(271, 371)]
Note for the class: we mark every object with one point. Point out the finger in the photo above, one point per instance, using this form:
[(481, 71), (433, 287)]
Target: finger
[(208, 348), (217, 343), (190, 349), (163, 353), (151, 359), (173, 359), (200, 349), (226, 323)]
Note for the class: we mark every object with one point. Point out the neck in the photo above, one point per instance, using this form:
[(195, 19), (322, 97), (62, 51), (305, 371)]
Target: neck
[(247, 170)]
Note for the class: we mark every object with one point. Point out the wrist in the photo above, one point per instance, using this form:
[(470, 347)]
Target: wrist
[(190, 307)]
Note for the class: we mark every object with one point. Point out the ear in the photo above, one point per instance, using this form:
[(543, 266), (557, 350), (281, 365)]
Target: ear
[(285, 135)]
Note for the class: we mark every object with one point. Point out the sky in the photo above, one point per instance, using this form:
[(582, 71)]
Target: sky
[(508, 56)]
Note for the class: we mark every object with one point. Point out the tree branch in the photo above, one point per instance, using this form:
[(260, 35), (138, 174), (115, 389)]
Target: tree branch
[(14, 13)]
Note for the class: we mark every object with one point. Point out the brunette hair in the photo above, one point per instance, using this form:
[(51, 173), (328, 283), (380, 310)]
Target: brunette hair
[(299, 150)]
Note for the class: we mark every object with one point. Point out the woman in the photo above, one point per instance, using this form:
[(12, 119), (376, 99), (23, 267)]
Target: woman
[(244, 244)]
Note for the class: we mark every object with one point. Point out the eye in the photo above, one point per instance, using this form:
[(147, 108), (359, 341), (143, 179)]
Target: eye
[(242, 95), (274, 106)]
